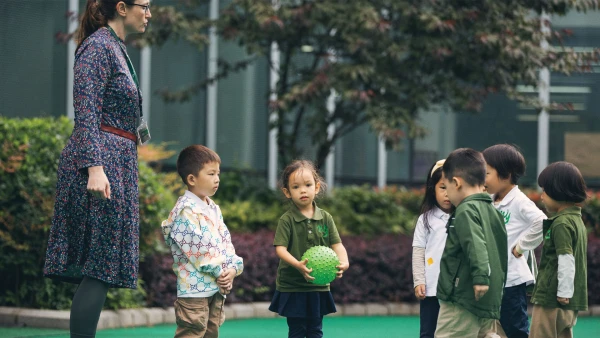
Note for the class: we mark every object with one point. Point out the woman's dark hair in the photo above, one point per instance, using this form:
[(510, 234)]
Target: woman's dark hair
[(96, 15), (507, 160), (301, 164), (429, 200), (563, 182)]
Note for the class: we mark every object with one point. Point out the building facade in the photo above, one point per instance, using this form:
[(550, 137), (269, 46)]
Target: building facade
[(35, 81)]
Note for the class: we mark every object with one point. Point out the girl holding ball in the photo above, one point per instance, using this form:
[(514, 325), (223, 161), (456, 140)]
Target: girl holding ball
[(304, 226)]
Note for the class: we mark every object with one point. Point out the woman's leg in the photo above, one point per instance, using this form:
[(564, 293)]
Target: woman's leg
[(87, 305)]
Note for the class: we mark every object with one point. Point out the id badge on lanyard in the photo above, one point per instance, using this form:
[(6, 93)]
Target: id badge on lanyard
[(142, 131)]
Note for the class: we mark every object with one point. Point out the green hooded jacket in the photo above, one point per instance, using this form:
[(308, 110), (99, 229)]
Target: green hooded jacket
[(476, 253)]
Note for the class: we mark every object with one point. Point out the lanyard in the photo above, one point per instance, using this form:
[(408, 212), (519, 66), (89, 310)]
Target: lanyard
[(129, 65)]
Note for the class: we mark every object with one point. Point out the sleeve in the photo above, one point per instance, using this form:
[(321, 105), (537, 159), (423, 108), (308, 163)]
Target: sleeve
[(418, 265), (186, 233), (566, 276), (232, 261), (420, 236), (92, 72), (334, 235), (532, 238), (472, 241), (282, 234)]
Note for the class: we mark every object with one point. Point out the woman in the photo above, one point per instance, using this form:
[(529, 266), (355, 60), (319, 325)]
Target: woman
[(94, 239)]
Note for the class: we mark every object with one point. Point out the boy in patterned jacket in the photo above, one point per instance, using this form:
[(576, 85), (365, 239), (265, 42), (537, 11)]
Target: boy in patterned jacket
[(205, 262)]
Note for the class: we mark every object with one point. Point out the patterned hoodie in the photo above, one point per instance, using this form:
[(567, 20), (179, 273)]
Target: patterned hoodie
[(201, 249)]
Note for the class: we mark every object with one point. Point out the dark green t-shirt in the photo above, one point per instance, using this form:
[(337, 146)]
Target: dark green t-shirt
[(564, 233), (298, 234)]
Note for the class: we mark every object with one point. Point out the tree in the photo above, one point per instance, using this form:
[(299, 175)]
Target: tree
[(387, 60)]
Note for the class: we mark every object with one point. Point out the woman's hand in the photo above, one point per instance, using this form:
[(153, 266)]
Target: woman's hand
[(301, 266), (98, 184), (420, 291)]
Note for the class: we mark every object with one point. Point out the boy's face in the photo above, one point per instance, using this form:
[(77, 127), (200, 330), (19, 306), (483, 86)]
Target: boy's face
[(206, 182), (493, 183), (452, 189)]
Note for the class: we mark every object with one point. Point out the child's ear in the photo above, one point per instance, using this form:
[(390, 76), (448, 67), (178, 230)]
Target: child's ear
[(286, 193), (317, 187), (457, 181), (191, 180)]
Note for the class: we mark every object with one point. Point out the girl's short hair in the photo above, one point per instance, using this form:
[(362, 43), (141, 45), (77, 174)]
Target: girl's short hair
[(284, 182), (507, 160), (563, 182)]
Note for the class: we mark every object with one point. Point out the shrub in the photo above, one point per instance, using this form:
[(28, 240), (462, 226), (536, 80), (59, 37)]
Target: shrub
[(380, 271), (29, 153)]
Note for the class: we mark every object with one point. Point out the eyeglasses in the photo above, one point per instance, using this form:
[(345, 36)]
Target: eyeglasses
[(145, 7)]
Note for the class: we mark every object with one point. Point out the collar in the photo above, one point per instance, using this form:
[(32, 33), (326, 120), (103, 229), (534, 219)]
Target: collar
[(199, 202), (439, 213), (574, 210), (299, 217), (509, 197), (485, 197)]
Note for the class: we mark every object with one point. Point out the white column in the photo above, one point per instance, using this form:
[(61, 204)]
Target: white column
[(330, 160), (145, 78), (544, 96), (273, 79), (211, 91), (71, 46), (381, 163)]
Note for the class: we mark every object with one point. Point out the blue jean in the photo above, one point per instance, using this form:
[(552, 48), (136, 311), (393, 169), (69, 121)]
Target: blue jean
[(513, 312)]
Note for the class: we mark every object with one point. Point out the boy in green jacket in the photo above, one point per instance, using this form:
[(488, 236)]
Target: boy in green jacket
[(473, 265)]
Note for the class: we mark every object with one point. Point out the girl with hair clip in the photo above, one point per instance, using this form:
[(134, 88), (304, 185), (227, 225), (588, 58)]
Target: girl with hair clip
[(94, 238), (428, 245)]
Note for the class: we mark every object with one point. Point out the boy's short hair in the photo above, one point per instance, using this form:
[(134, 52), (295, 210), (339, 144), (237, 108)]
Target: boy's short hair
[(467, 164), (563, 182), (507, 160), (193, 158)]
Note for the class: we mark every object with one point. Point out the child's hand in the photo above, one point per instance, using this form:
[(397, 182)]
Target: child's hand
[(225, 291), (420, 291), (516, 253), (480, 291), (304, 270), (341, 268), (563, 301), (226, 278)]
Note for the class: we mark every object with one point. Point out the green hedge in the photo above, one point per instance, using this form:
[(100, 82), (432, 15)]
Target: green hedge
[(29, 153)]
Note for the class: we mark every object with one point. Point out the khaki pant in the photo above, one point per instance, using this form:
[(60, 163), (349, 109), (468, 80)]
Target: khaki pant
[(454, 321), (552, 322), (199, 317)]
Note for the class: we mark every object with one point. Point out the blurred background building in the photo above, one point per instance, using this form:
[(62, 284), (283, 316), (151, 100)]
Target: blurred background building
[(35, 81)]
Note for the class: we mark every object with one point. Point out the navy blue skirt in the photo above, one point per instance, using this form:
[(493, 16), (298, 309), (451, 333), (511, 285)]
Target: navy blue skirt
[(303, 304)]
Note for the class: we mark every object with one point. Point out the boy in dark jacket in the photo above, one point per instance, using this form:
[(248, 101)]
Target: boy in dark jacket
[(473, 265)]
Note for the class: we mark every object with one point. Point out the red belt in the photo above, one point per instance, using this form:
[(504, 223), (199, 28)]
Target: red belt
[(119, 132)]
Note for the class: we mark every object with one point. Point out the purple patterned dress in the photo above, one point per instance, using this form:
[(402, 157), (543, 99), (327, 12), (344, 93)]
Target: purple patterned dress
[(89, 236)]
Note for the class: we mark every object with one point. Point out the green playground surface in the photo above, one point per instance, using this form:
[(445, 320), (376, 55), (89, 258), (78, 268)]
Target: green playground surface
[(333, 327)]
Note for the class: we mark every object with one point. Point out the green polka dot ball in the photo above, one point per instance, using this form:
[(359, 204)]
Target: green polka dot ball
[(323, 261)]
